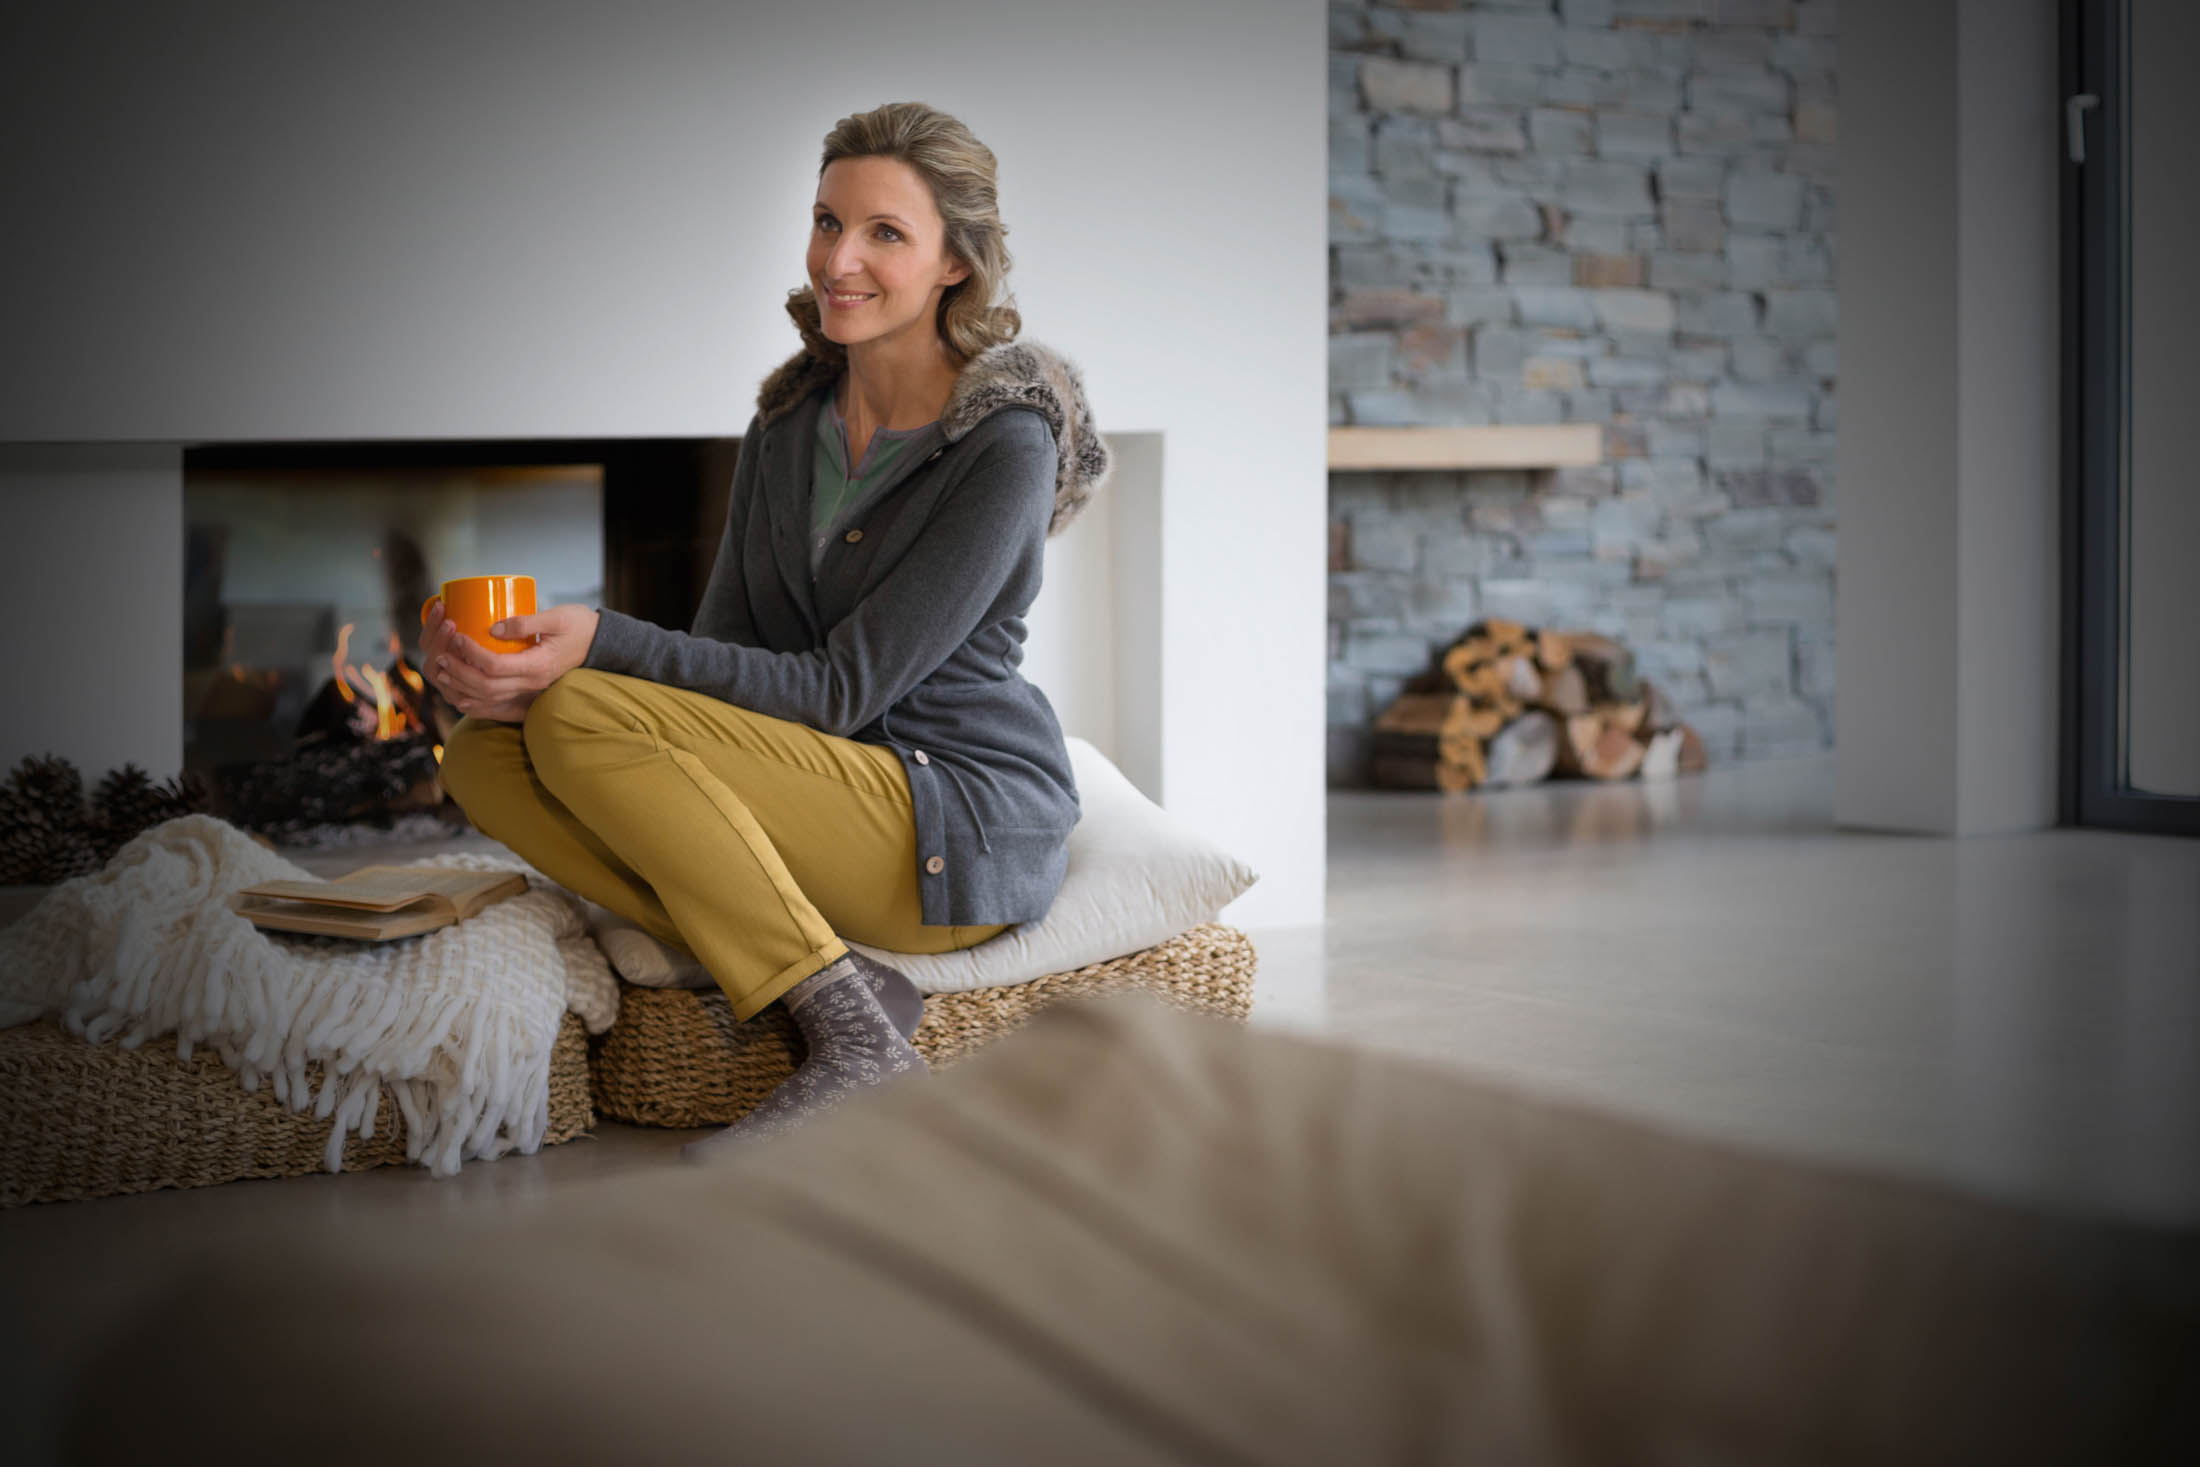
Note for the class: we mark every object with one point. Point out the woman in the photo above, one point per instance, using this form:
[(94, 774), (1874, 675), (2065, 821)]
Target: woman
[(843, 745)]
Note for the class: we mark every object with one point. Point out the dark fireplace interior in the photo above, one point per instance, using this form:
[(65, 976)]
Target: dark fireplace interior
[(305, 568)]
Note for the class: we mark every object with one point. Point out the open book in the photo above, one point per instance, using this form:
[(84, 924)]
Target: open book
[(376, 903)]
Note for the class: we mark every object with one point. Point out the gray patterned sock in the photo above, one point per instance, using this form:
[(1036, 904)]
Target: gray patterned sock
[(852, 1043), (902, 1000)]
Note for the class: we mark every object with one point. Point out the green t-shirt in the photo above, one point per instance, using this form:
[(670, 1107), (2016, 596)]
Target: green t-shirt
[(836, 484)]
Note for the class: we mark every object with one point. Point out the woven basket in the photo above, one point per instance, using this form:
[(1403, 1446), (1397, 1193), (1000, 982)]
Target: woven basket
[(82, 1120), (677, 1057)]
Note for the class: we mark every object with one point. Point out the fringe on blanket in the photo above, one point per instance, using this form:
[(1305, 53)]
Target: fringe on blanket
[(459, 1023)]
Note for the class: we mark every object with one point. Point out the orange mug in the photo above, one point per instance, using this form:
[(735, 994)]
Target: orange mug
[(476, 603)]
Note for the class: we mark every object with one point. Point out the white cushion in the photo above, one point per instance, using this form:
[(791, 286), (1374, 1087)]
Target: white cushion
[(640, 958), (1137, 876)]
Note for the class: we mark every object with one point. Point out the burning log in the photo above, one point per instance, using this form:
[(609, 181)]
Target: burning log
[(330, 782), (365, 702), (369, 747)]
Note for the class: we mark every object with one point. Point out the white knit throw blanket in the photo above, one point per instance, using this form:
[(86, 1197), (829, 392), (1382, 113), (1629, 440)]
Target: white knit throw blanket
[(459, 1022)]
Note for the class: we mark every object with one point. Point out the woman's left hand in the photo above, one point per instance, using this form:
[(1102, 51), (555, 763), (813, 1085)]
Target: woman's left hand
[(500, 685)]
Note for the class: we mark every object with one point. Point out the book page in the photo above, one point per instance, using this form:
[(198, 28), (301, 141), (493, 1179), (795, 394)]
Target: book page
[(386, 888), (395, 883)]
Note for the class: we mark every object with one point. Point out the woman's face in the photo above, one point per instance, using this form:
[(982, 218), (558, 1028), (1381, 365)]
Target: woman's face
[(875, 232)]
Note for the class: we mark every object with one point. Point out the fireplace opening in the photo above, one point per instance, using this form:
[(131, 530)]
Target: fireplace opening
[(305, 568)]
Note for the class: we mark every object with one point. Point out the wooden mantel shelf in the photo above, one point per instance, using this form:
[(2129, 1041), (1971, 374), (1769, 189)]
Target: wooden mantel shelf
[(1510, 446)]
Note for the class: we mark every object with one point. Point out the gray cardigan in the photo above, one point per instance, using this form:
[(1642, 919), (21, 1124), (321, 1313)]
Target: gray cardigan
[(912, 630)]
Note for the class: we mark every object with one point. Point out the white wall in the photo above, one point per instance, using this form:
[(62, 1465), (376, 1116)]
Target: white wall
[(2010, 491), (1094, 635), (94, 626), (1948, 584), (563, 219), (1895, 456)]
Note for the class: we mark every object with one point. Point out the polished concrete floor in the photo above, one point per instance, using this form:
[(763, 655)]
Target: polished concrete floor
[(2015, 1016)]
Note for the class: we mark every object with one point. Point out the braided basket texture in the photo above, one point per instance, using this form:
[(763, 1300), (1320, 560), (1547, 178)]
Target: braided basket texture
[(677, 1057), (82, 1120)]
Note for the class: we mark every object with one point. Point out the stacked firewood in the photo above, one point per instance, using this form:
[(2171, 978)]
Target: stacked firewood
[(1509, 705)]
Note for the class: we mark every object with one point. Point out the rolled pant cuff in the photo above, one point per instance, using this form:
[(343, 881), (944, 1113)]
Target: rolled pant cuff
[(757, 999)]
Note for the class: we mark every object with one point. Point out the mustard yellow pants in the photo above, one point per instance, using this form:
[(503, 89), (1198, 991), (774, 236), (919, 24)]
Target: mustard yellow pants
[(748, 840)]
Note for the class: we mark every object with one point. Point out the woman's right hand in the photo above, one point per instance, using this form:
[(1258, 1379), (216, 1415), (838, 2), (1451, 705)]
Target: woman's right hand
[(438, 636)]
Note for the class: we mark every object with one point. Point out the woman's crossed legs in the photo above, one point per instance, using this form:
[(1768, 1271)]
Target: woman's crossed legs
[(752, 841)]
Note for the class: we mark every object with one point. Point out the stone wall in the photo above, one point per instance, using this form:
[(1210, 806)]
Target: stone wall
[(1611, 211)]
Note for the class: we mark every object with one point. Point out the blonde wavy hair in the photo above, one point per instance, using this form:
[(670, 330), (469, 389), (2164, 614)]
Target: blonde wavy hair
[(960, 171)]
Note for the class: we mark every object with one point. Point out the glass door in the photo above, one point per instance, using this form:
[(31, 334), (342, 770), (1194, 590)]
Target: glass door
[(2132, 440)]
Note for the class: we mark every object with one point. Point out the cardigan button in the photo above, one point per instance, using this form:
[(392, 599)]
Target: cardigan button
[(922, 757), (935, 865), (934, 454), (853, 536)]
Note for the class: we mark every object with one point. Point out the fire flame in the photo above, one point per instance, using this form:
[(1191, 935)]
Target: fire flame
[(336, 664), (388, 723), (393, 713), (404, 668)]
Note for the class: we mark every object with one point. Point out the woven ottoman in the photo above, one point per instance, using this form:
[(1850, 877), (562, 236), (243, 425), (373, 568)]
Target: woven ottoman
[(677, 1057), (81, 1120)]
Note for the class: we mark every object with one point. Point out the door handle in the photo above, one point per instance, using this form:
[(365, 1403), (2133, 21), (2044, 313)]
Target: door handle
[(2074, 111)]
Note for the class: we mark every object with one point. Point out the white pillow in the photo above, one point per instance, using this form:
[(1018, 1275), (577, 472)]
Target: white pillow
[(1137, 876)]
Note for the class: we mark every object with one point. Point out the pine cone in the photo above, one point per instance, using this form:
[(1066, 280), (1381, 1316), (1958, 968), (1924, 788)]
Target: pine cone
[(54, 787), (71, 854), (125, 803), (22, 838), (128, 803), (185, 794), (48, 832), (120, 788)]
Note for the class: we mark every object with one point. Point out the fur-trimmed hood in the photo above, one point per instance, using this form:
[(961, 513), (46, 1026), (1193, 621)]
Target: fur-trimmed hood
[(1013, 374)]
